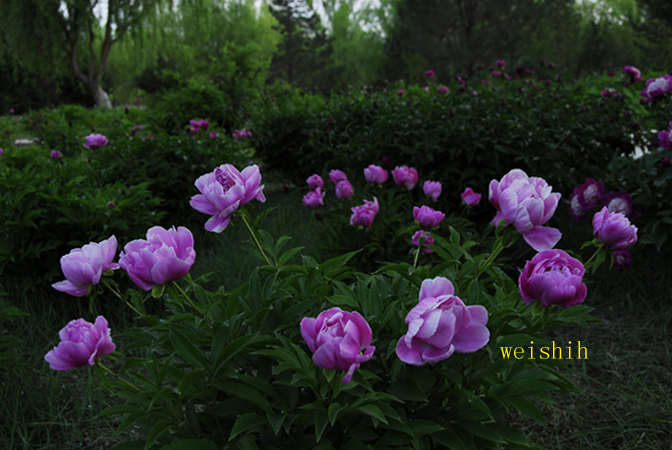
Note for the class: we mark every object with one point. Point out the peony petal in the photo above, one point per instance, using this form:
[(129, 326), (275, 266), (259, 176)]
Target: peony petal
[(542, 238), (411, 354), (444, 331), (472, 338), (433, 354), (71, 289), (435, 288), (328, 356), (169, 269), (479, 315)]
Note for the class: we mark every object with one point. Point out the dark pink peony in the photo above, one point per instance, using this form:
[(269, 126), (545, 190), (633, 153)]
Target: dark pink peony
[(554, 278)]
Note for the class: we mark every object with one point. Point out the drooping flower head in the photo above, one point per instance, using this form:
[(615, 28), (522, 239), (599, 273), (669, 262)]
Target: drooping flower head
[(223, 190), (337, 339), (442, 324), (84, 266), (405, 177), (336, 176), (313, 199), (428, 240), (81, 343), (95, 141), (363, 215), (614, 230), (554, 278), (655, 87)]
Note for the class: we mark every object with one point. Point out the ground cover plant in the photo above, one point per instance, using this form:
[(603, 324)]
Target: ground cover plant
[(386, 331)]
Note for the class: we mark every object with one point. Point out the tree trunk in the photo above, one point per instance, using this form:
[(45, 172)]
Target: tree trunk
[(100, 96)]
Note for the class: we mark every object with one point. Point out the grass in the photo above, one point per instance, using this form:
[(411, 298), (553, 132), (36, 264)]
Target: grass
[(624, 387)]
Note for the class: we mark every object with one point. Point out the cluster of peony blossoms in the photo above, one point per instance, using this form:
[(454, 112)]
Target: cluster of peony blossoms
[(438, 326), (314, 198), (241, 133), (197, 125), (656, 87), (585, 197), (95, 141)]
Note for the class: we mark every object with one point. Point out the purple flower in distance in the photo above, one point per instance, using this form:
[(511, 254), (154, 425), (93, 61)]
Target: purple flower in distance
[(363, 215), (84, 266), (223, 191), (470, 198), (95, 141), (501, 64), (336, 176), (432, 189), (614, 230), (428, 240), (575, 208), (633, 72), (554, 278), (344, 189), (496, 73), (664, 161), (81, 343), (665, 138), (429, 74), (655, 87), (315, 181), (443, 90), (618, 202), (609, 92), (589, 194), (427, 218), (166, 255), (56, 155), (313, 199), (622, 260), (400, 93), (405, 177), (375, 174), (441, 324), (337, 339)]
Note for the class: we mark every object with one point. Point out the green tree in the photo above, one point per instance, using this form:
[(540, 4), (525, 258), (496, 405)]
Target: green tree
[(48, 36)]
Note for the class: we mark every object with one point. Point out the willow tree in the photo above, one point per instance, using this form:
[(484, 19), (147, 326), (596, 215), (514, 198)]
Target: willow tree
[(52, 36)]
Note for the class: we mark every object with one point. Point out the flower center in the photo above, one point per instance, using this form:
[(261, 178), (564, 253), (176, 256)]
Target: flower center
[(223, 179), (659, 84), (618, 205), (592, 194)]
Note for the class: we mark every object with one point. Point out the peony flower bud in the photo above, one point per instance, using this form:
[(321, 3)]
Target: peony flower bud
[(470, 198), (375, 174), (84, 266), (81, 343), (427, 218), (614, 229), (405, 177), (432, 189)]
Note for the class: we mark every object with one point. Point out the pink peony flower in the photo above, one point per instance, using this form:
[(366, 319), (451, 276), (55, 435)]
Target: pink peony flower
[(442, 90), (81, 343), (665, 138), (442, 324), (166, 255), (223, 191), (554, 278), (633, 72), (526, 203), (84, 266), (575, 208), (336, 176), (313, 199), (375, 174), (429, 74), (405, 177), (501, 64), (429, 240), (344, 189), (589, 194), (432, 189), (619, 202), (622, 260), (400, 92), (55, 154), (95, 141), (315, 181), (655, 87), (614, 230), (337, 339), (470, 198), (363, 215), (427, 218)]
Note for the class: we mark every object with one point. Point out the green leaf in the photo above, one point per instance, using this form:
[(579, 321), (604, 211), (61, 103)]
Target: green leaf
[(157, 430), (373, 411), (191, 444), (321, 422), (130, 445), (245, 423), (334, 409), (186, 349), (422, 427)]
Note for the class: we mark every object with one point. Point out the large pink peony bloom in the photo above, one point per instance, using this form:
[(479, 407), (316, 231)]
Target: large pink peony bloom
[(344, 189), (527, 204), (363, 215), (315, 181), (614, 229), (313, 199), (655, 87), (223, 191), (375, 174), (442, 324), (166, 255), (554, 278), (337, 339), (405, 177), (81, 344), (95, 141), (84, 266)]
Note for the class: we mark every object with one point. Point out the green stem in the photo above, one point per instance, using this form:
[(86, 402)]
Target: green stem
[(121, 298), (127, 383), (592, 257), (177, 286), (498, 248), (256, 241)]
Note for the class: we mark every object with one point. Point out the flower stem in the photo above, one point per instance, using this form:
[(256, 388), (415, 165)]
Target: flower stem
[(114, 291), (177, 286), (256, 241), (127, 383)]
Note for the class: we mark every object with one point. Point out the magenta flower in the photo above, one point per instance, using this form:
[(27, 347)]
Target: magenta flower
[(526, 203), (429, 74), (443, 90), (554, 278), (432, 189), (166, 255), (633, 73), (655, 87), (363, 215), (665, 138), (614, 229), (400, 92), (223, 191), (609, 92), (575, 208), (375, 174), (501, 64), (95, 141), (337, 339), (442, 324), (622, 260), (470, 198), (427, 218), (315, 181), (84, 266), (81, 343), (336, 176), (429, 240), (213, 135), (313, 199), (496, 73), (589, 194), (344, 189), (619, 202), (405, 177), (241, 133), (55, 154)]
